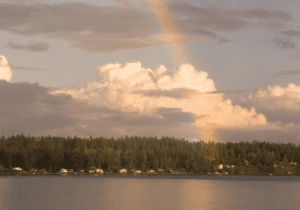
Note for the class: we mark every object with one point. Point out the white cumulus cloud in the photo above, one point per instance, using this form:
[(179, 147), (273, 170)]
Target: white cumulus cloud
[(5, 72), (134, 89), (277, 103)]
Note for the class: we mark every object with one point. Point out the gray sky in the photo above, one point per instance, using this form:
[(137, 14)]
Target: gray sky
[(242, 72)]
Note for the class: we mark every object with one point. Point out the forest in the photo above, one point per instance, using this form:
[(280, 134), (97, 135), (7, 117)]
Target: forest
[(53, 153)]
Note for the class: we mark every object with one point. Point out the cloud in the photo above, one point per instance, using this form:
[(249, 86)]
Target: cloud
[(132, 100), (30, 47), (276, 103), (27, 68), (217, 19), (20, 1), (29, 108), (222, 40), (285, 44), (288, 72), (164, 99), (268, 133), (107, 29), (291, 33), (126, 3), (264, 14), (110, 28), (177, 93), (294, 56), (5, 72), (205, 33), (227, 92)]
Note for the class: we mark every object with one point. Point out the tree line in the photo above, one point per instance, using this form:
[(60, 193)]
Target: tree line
[(143, 153)]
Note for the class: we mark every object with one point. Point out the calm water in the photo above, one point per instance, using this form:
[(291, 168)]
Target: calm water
[(100, 192)]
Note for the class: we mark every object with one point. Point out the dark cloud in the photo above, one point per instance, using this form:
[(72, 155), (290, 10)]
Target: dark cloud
[(218, 19), (288, 73), (205, 33), (27, 68), (216, 12), (285, 44), (30, 47), (262, 13), (263, 134), (107, 29), (176, 115), (294, 56), (29, 108), (291, 33), (126, 3), (20, 1), (177, 93), (87, 27), (227, 92), (222, 40), (273, 108)]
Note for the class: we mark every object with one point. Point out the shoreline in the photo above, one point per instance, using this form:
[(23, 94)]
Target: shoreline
[(175, 176)]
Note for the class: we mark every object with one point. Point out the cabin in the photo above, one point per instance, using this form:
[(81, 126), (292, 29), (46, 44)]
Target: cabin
[(99, 171), (63, 170), (17, 169), (124, 170), (160, 170), (220, 166), (151, 171)]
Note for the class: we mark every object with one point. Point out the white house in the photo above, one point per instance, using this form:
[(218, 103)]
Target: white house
[(124, 170), (91, 171), (63, 170), (160, 170), (151, 171), (17, 169), (220, 166), (137, 171), (99, 171)]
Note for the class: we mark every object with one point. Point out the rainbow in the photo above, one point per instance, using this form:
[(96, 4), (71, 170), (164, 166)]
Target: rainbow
[(171, 37)]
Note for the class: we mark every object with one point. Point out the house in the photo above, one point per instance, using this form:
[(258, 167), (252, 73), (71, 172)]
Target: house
[(91, 171), (81, 171), (227, 166), (137, 171), (220, 166), (63, 170), (70, 170), (232, 166), (124, 170), (151, 171), (99, 171), (160, 170), (17, 169)]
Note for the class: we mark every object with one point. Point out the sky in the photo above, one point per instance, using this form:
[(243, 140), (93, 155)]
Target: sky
[(200, 70)]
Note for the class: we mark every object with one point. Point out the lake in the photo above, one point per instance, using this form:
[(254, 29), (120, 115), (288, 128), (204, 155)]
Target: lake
[(142, 192)]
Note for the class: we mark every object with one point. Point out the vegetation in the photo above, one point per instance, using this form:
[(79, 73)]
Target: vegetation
[(145, 153)]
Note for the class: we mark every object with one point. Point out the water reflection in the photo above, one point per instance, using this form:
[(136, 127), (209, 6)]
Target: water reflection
[(98, 192)]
